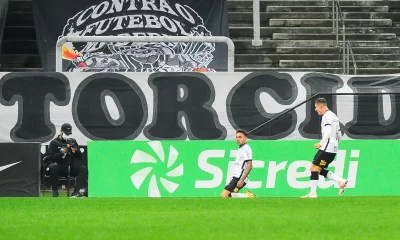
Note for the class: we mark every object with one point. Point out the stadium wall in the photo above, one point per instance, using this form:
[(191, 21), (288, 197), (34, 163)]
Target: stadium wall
[(191, 106), (203, 168)]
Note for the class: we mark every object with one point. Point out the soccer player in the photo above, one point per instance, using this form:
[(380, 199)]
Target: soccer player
[(243, 166), (327, 149)]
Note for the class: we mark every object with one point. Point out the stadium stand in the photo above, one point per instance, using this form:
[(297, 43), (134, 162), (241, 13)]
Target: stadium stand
[(297, 36), (19, 51)]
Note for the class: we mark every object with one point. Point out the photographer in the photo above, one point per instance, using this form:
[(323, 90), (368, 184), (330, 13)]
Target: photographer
[(64, 152)]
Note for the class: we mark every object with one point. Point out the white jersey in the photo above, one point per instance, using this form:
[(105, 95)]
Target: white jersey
[(330, 118), (243, 154)]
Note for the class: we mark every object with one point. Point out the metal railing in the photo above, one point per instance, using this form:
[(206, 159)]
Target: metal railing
[(220, 39), (314, 96), (349, 53), (256, 24), (336, 14)]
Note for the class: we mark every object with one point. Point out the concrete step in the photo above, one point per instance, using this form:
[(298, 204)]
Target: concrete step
[(268, 44), (255, 59), (278, 69), (247, 17), (246, 5), (323, 2), (266, 16), (267, 32), (394, 16), (360, 71), (326, 9), (19, 33), (376, 71), (20, 60), (20, 17), (336, 64), (328, 22), (20, 5), (378, 57), (394, 9), (258, 65), (272, 58), (19, 47), (351, 37), (320, 50), (334, 50), (21, 69)]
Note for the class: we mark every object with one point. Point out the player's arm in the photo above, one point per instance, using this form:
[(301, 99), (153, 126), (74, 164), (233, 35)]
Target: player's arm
[(339, 135), (327, 129), (327, 133), (249, 166)]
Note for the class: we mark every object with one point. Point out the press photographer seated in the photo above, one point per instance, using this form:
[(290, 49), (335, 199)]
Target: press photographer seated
[(64, 152)]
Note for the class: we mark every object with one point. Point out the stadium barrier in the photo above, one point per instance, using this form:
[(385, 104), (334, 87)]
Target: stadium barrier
[(203, 168), (152, 106), (20, 169), (149, 106)]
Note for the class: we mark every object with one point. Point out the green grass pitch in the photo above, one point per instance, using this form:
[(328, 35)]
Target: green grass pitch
[(200, 218)]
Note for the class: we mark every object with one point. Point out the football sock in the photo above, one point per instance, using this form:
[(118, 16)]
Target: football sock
[(333, 177), (239, 195), (323, 172), (314, 182)]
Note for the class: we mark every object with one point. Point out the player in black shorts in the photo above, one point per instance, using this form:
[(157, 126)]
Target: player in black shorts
[(327, 149), (232, 185), (242, 169), (323, 159)]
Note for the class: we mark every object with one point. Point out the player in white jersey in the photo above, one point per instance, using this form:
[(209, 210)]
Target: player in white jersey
[(243, 166), (327, 149)]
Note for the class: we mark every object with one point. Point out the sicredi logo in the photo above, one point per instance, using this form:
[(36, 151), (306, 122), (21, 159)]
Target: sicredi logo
[(154, 162), (293, 174), (162, 170)]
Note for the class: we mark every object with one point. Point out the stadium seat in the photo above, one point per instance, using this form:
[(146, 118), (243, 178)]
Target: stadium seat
[(45, 176)]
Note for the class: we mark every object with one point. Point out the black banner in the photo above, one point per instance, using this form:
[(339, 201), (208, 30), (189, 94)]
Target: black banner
[(132, 18), (19, 169), (3, 16), (194, 106)]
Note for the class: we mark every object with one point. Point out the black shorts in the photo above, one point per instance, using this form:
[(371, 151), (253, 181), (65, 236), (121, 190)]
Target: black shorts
[(323, 159), (233, 184)]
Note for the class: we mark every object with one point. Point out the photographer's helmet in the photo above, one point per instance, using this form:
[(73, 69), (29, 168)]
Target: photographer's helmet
[(67, 128)]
